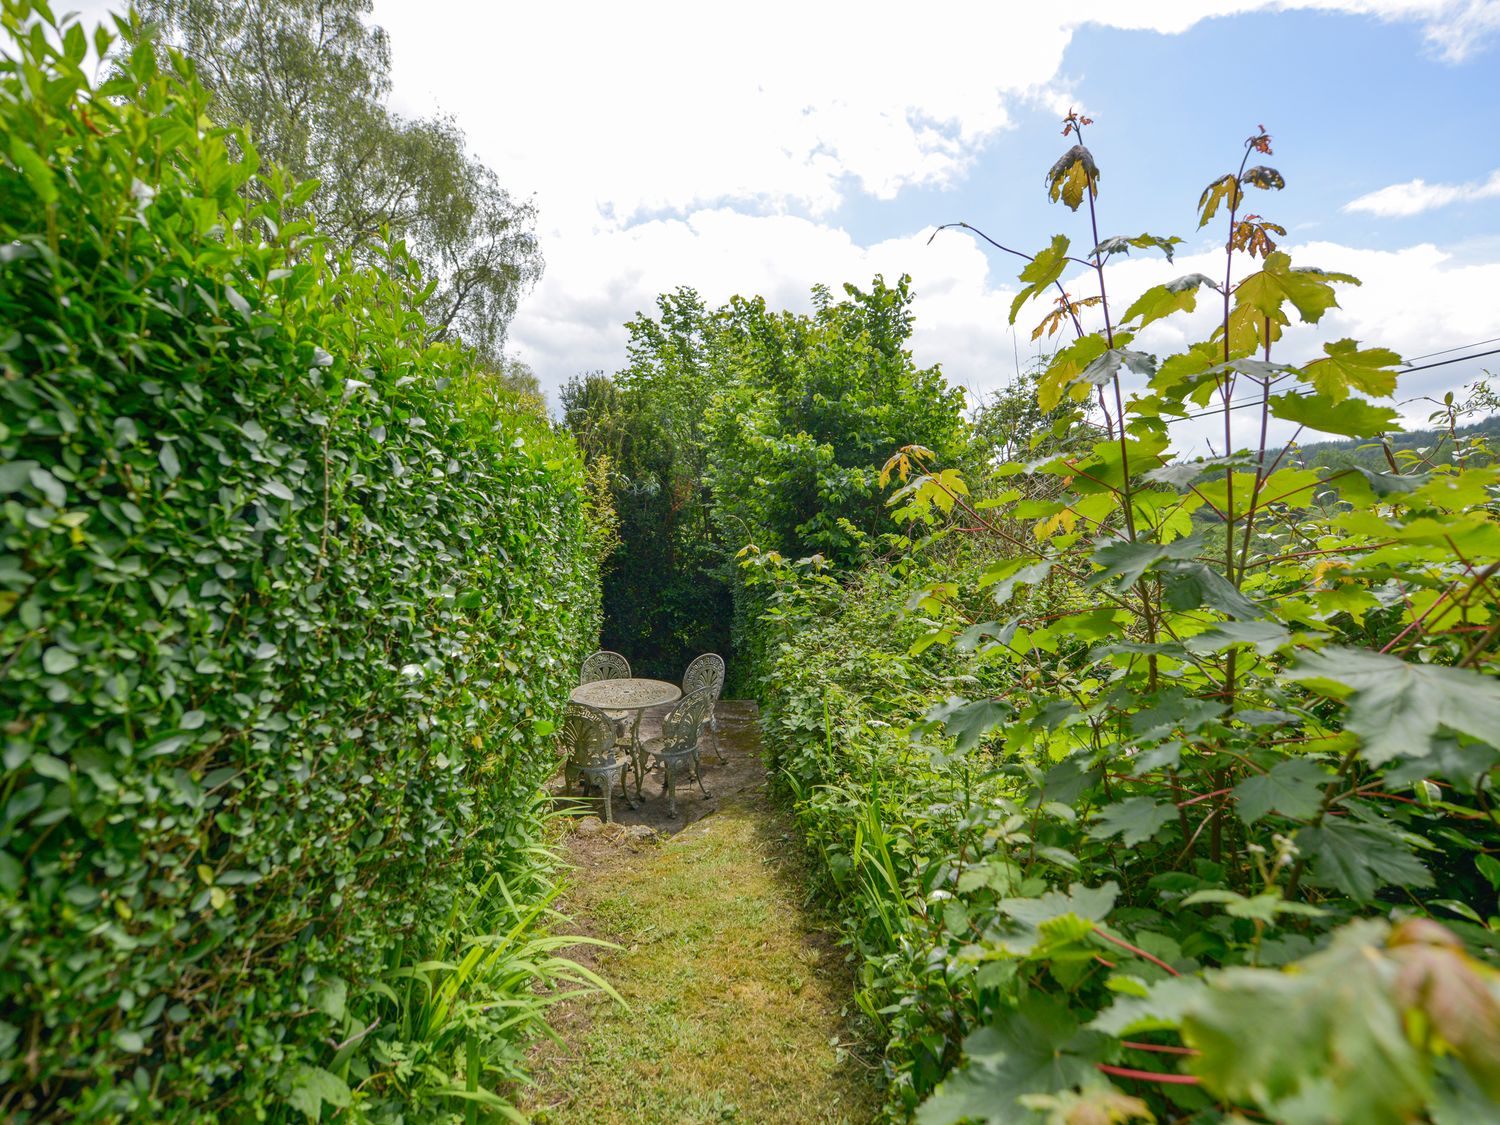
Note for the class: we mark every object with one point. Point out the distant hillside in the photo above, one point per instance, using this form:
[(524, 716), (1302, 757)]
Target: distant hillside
[(1437, 445)]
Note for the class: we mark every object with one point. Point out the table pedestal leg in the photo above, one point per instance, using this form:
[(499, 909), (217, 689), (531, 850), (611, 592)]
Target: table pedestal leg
[(635, 752)]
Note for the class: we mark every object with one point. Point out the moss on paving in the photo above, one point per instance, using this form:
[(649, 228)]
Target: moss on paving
[(735, 1000)]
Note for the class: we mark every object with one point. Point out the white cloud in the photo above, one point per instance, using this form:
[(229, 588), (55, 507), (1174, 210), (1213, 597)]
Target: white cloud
[(1416, 196), (1415, 300)]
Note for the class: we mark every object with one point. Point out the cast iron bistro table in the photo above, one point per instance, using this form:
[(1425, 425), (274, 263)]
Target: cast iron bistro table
[(628, 695)]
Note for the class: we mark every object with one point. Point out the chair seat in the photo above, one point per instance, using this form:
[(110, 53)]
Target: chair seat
[(660, 745)]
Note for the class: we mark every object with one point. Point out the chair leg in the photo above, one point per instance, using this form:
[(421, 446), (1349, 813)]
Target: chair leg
[(609, 787), (713, 725), (698, 775), (671, 789)]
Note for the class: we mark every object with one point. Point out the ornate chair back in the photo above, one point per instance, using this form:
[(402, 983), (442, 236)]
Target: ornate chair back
[(707, 672), (679, 728), (588, 736), (604, 665)]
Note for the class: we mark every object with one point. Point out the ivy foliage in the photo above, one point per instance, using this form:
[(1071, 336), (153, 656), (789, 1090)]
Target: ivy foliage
[(1155, 789), (288, 598)]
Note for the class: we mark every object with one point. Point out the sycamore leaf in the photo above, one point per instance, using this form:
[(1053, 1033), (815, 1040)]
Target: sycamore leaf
[(1189, 584), (1397, 707), (1359, 859), (1263, 907), (1322, 1043), (1074, 173), (1266, 636), (1159, 1010), (1125, 561), (1226, 189), (1036, 1049), (1310, 291), (1119, 244), (1179, 295), (1264, 178), (1454, 992), (968, 722), (1293, 788), (1041, 272), (1347, 366), (1353, 417), (312, 1086), (1006, 576), (1135, 820), (1064, 367), (1104, 368), (1056, 918)]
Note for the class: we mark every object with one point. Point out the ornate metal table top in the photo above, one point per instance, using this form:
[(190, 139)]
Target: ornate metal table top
[(625, 695)]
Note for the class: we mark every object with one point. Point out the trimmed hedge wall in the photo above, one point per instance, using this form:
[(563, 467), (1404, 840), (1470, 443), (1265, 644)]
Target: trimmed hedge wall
[(288, 599)]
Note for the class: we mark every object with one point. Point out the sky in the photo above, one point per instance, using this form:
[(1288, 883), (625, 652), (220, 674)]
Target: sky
[(767, 148)]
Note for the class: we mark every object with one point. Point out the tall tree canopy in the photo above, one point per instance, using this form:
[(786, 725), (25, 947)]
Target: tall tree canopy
[(310, 78)]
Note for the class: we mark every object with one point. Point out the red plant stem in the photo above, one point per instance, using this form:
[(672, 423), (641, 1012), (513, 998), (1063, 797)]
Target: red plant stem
[(1203, 797), (1139, 952), (1158, 1047), (1147, 1075)]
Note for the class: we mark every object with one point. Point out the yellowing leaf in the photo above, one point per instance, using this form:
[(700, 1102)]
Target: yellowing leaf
[(1066, 366), (1074, 173), (1226, 189), (1041, 272)]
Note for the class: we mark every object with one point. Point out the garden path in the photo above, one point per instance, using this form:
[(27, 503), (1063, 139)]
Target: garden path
[(737, 999)]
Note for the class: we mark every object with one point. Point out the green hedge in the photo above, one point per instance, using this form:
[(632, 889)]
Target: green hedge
[(288, 598)]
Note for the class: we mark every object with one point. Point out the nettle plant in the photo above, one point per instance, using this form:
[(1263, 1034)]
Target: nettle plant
[(1234, 781)]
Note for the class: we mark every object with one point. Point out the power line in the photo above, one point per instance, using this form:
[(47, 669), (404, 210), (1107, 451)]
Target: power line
[(1461, 347), (1247, 403)]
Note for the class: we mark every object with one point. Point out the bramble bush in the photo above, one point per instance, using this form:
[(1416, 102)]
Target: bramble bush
[(288, 600), (1155, 788)]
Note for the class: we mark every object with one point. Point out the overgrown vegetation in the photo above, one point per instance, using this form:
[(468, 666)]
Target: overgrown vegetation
[(288, 597), (745, 424), (1194, 819)]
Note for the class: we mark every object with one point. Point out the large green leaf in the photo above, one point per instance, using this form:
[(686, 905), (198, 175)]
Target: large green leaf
[(1293, 788), (1359, 859), (968, 722), (1036, 1049), (1178, 295), (1160, 1009), (1346, 366), (1055, 918), (1352, 417), (1322, 1045), (1190, 585), (1125, 561), (1397, 706), (1135, 820)]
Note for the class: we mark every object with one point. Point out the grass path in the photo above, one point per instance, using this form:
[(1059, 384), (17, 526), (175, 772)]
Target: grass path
[(735, 998)]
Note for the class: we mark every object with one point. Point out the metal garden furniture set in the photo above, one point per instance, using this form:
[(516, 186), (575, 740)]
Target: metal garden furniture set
[(601, 730)]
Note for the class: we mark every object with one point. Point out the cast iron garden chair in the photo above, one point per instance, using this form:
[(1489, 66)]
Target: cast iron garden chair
[(678, 744), (707, 672), (604, 665), (587, 735)]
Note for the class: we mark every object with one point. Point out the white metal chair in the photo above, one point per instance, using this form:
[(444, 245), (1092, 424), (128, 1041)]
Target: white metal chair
[(587, 736), (604, 665), (706, 673), (678, 744)]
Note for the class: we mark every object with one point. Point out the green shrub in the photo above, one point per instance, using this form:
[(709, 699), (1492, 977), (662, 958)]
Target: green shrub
[(288, 599), (1170, 796)]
